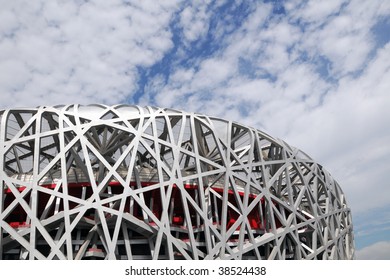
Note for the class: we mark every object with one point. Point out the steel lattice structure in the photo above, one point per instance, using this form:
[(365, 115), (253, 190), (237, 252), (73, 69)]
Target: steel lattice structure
[(130, 182)]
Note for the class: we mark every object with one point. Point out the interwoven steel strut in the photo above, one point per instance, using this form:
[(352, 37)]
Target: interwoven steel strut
[(130, 182)]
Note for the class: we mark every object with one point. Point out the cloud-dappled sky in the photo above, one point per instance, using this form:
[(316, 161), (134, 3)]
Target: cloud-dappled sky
[(314, 73)]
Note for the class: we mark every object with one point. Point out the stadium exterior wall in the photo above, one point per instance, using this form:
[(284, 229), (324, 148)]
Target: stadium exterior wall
[(130, 182)]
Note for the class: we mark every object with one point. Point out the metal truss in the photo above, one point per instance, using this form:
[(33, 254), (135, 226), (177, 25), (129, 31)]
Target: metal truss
[(129, 182)]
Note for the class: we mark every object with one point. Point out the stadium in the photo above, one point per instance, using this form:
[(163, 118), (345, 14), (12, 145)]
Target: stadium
[(131, 182)]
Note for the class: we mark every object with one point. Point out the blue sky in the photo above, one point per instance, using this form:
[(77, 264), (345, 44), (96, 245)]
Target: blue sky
[(314, 73)]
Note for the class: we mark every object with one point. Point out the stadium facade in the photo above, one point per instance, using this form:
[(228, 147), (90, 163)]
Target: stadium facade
[(130, 182)]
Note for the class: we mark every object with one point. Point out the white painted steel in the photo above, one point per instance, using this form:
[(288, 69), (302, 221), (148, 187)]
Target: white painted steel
[(130, 182)]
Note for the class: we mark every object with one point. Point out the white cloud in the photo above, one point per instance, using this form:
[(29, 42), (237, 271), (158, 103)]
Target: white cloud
[(344, 36), (317, 10), (63, 52), (212, 72), (376, 251), (247, 41), (348, 134), (194, 20)]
